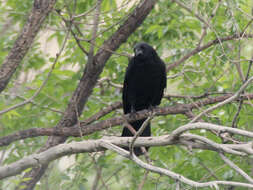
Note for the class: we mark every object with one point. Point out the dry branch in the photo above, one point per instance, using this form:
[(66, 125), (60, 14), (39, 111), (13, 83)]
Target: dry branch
[(169, 173), (236, 168), (189, 140)]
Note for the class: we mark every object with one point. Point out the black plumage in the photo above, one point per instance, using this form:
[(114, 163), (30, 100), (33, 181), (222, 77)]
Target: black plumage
[(144, 83)]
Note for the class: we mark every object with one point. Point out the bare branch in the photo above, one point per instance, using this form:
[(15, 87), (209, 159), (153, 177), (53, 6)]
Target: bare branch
[(53, 153), (102, 113), (94, 32), (236, 168), (169, 173), (209, 126), (204, 95), (33, 102), (234, 122), (216, 145), (145, 177), (209, 20), (137, 134)]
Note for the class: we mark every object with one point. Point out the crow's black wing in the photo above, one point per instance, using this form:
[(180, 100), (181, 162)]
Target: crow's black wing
[(160, 73), (127, 90), (163, 83)]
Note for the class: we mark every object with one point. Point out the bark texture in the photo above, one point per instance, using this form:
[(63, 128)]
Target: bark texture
[(89, 79), (40, 10)]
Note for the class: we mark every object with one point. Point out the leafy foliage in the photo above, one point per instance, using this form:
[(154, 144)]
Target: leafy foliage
[(174, 32)]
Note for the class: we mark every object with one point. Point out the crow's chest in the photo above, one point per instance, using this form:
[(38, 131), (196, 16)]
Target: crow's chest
[(145, 77)]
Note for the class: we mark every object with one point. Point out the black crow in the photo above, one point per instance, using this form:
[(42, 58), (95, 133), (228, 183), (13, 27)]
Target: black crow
[(144, 83)]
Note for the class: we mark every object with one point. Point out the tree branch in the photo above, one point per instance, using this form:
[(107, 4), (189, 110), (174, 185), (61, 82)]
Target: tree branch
[(191, 140), (234, 122), (236, 168), (87, 128), (90, 75), (236, 95), (169, 173), (103, 112), (30, 100), (207, 45), (40, 10)]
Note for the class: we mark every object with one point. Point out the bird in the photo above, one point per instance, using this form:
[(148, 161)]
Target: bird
[(144, 83)]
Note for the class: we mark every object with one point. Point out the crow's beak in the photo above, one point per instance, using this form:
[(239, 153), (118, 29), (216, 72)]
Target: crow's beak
[(138, 52)]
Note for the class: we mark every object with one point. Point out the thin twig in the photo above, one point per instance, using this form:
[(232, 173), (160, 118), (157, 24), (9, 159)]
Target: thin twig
[(138, 133), (33, 102), (72, 32), (94, 32), (235, 119), (102, 112), (29, 100), (209, 20), (205, 46), (98, 175), (113, 174), (236, 95), (85, 13), (145, 177), (236, 168), (169, 173)]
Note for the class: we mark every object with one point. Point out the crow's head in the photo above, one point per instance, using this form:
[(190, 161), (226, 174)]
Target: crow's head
[(143, 51)]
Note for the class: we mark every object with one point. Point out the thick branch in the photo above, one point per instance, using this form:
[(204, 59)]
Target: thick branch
[(30, 100), (90, 76), (93, 70), (101, 125), (39, 12), (58, 151)]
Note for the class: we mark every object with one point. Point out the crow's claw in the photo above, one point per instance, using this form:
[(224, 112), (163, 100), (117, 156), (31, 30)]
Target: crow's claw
[(151, 108), (132, 113)]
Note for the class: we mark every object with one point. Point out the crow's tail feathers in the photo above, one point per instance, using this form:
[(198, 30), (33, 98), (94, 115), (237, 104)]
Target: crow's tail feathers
[(146, 133)]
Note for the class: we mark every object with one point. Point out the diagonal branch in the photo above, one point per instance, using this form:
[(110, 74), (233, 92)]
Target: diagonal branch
[(94, 32), (236, 95), (138, 133), (169, 173), (30, 100), (236, 168), (40, 10), (235, 120), (103, 112), (208, 126), (207, 45)]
